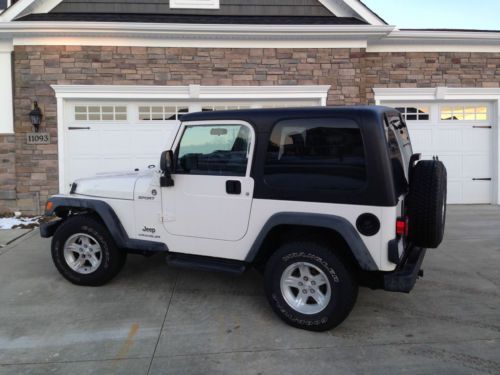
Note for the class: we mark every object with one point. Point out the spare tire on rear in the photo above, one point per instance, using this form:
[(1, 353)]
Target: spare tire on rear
[(426, 203)]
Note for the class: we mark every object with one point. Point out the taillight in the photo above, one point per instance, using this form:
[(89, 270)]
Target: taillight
[(402, 226)]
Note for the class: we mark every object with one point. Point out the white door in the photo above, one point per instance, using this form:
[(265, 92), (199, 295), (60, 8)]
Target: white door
[(460, 134), (106, 136), (212, 193)]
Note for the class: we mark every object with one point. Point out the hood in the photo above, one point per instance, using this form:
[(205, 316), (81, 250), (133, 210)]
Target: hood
[(117, 185)]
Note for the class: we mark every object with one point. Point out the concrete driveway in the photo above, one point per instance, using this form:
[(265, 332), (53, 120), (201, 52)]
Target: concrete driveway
[(155, 319)]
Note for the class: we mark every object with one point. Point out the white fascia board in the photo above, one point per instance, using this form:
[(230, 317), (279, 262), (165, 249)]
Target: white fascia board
[(191, 35), (192, 42), (436, 41), (160, 29), (25, 7), (189, 92)]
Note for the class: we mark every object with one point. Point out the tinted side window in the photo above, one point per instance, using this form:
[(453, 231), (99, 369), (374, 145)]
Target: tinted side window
[(214, 150), (327, 154)]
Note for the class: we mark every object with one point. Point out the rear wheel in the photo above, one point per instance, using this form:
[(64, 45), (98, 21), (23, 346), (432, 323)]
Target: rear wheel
[(309, 287), (84, 252)]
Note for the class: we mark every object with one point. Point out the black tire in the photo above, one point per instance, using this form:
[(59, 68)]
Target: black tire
[(344, 287), (112, 258), (427, 203)]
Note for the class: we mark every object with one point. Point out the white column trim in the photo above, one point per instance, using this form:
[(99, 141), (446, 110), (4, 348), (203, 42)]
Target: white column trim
[(6, 100), (60, 142)]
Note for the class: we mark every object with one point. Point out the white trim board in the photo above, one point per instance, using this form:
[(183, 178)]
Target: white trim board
[(435, 93), (190, 92), (191, 35), (492, 95)]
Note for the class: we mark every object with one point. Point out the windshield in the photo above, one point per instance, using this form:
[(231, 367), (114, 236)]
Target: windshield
[(400, 150)]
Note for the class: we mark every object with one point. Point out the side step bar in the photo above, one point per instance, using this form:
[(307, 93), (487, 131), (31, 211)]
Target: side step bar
[(201, 263)]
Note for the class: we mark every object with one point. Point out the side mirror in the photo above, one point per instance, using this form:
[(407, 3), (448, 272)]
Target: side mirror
[(167, 167), (167, 161)]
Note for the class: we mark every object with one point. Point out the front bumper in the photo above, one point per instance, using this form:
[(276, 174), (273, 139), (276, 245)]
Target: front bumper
[(403, 279), (49, 228)]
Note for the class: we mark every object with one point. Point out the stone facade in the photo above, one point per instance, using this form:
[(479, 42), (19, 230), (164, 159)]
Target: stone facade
[(29, 173)]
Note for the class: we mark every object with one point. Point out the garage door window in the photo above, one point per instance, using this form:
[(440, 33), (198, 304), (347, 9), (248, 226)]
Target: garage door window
[(464, 113), (161, 113), (417, 113), (220, 150), (100, 113)]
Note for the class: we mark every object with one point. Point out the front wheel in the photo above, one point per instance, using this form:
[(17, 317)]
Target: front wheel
[(84, 252), (310, 287)]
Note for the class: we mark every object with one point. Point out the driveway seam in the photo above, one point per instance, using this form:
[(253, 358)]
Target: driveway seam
[(163, 323)]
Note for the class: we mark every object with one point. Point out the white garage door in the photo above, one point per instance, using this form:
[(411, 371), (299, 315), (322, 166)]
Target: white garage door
[(461, 135), (105, 136)]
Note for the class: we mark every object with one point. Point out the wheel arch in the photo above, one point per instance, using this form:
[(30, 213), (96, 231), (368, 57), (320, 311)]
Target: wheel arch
[(289, 225), (63, 206)]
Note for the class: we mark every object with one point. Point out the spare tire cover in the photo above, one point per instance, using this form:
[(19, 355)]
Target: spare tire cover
[(426, 203)]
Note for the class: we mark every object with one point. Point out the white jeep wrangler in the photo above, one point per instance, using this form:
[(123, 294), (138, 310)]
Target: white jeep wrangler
[(320, 199)]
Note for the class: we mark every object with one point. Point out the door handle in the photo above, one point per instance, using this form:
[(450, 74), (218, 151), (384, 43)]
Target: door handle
[(233, 187), (481, 127), (481, 179)]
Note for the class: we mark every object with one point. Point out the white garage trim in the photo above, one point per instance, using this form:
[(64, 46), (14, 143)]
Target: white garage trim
[(195, 93), (491, 95), (191, 92)]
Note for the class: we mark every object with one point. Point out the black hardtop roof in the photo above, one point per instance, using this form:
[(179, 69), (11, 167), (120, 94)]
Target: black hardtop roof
[(270, 116)]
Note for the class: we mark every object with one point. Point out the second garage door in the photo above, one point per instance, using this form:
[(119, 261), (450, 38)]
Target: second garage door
[(460, 134)]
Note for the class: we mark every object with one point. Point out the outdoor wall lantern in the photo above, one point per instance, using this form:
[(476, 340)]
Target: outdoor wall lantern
[(36, 116)]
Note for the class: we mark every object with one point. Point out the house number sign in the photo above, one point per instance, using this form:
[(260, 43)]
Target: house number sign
[(38, 138)]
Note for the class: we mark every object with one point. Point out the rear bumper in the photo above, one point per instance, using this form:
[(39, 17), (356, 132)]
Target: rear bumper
[(403, 279)]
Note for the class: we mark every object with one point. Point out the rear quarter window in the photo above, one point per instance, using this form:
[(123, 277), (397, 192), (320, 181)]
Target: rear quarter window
[(400, 150), (316, 154)]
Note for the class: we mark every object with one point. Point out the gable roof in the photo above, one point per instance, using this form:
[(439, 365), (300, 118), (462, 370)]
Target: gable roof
[(339, 11)]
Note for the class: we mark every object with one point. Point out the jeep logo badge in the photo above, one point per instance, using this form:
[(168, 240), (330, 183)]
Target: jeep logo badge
[(150, 230)]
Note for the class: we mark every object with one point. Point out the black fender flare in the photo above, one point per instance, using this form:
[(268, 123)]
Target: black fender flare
[(107, 215), (336, 223)]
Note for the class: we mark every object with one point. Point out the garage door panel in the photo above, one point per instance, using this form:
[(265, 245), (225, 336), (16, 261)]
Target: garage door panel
[(476, 192), (79, 142), (421, 139), (453, 164), (154, 139), (454, 191), (477, 166), (448, 139), (475, 137)]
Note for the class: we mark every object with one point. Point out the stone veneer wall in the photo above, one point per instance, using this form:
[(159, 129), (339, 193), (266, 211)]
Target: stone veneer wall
[(352, 73)]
